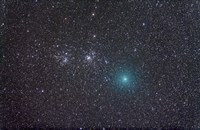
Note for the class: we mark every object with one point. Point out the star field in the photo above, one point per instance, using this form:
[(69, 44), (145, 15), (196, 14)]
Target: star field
[(100, 64)]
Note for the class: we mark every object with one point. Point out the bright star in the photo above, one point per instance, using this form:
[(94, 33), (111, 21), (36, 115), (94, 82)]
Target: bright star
[(88, 57)]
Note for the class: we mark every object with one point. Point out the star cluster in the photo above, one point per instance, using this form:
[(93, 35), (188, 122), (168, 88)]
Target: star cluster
[(131, 63)]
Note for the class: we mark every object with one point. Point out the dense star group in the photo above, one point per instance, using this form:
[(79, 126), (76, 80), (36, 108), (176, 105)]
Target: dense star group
[(130, 63)]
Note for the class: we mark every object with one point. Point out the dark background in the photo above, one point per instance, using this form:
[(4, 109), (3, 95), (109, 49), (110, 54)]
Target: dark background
[(47, 79)]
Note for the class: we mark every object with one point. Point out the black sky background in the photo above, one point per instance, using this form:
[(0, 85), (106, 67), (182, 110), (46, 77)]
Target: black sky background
[(47, 79)]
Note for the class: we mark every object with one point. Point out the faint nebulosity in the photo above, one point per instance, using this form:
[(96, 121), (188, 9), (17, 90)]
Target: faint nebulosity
[(84, 63)]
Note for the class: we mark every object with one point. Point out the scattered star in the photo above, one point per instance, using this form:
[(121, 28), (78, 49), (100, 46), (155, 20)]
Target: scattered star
[(100, 64), (93, 14)]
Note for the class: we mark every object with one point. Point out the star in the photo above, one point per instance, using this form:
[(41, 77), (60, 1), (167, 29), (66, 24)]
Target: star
[(99, 64), (88, 58)]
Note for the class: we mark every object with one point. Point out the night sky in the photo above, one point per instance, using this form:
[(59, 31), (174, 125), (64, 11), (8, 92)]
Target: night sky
[(73, 63)]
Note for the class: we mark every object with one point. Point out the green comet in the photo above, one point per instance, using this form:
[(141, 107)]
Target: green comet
[(124, 79)]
